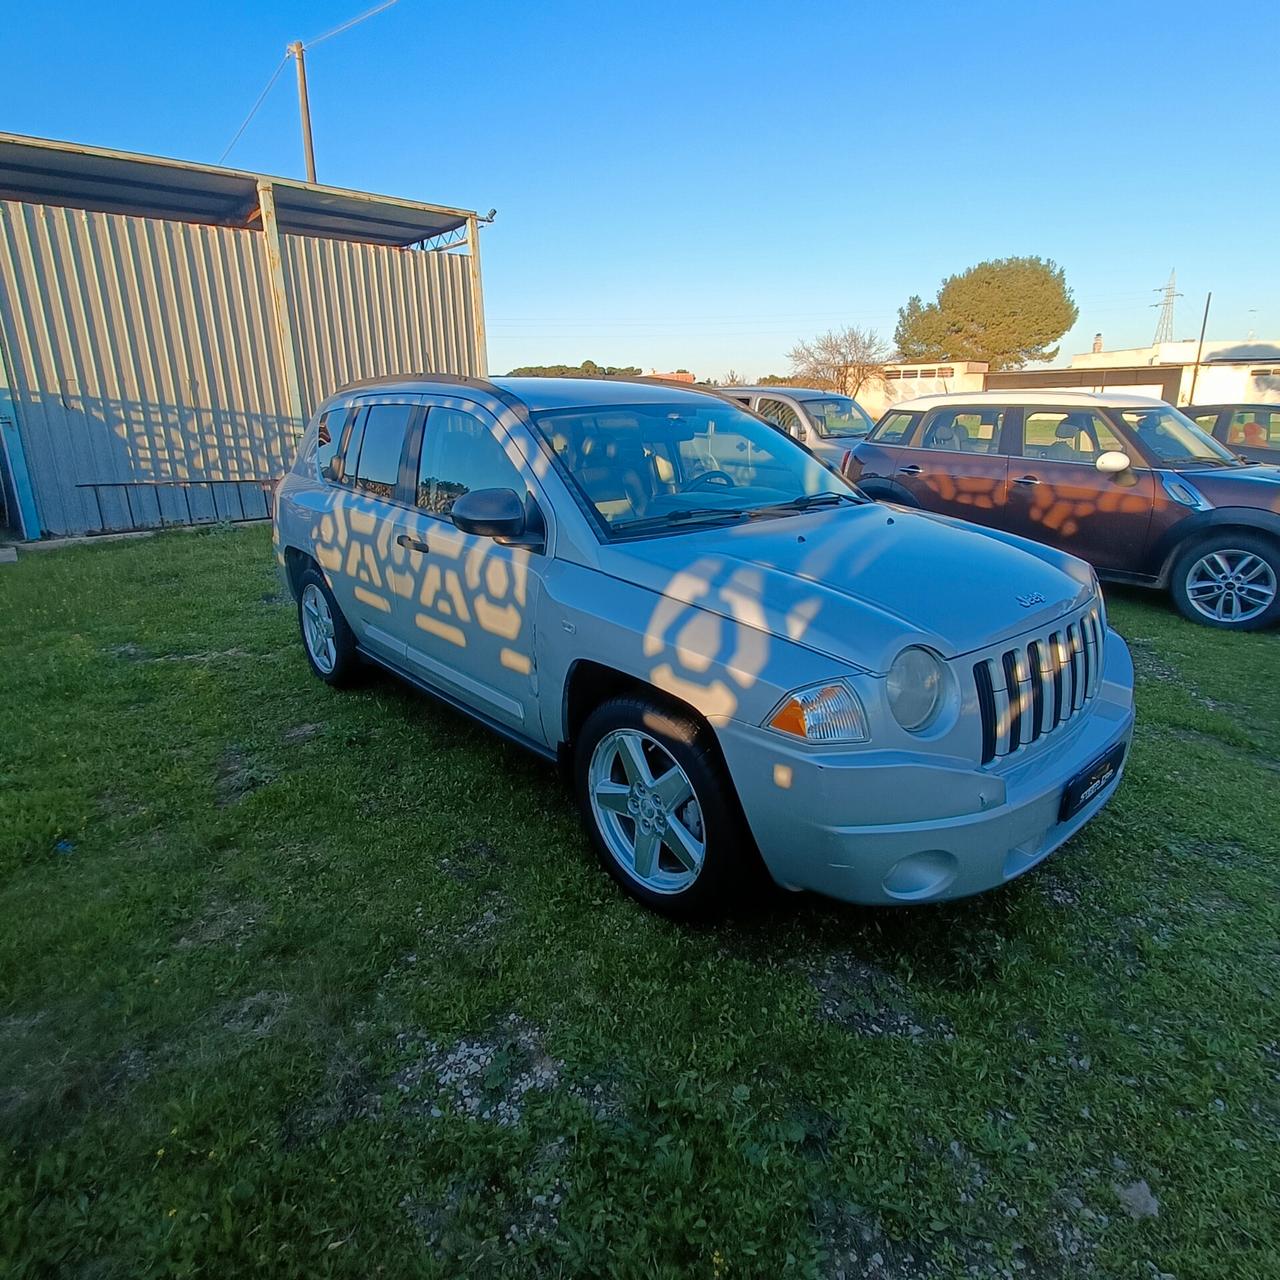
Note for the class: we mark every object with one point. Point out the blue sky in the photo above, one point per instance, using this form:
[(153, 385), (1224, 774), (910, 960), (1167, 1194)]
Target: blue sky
[(700, 185)]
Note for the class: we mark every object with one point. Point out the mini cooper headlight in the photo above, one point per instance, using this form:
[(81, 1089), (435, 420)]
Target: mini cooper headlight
[(916, 682), (821, 713)]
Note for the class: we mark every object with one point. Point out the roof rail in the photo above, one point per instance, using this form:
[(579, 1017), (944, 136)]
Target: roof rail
[(514, 403)]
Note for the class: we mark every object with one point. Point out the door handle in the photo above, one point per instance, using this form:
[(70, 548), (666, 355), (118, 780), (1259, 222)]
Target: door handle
[(407, 540), (1027, 480), (912, 470)]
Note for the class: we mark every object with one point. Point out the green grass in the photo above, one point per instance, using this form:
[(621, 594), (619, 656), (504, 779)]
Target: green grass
[(250, 925)]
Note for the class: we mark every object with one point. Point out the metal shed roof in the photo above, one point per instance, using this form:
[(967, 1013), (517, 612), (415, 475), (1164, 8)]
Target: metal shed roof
[(39, 171)]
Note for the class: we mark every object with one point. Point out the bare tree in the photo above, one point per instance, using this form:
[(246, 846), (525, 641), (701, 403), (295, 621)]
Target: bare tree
[(732, 379), (845, 359)]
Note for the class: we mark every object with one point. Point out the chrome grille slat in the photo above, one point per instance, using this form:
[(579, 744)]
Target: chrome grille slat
[(1032, 688)]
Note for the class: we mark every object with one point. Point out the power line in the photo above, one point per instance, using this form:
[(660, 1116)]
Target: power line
[(253, 111), (350, 22), (302, 45)]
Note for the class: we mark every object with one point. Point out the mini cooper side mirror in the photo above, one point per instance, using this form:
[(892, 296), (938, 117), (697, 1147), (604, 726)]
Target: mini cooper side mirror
[(503, 515), (1113, 461)]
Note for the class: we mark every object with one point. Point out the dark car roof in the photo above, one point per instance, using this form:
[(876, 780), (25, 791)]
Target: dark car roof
[(796, 393), (1235, 408)]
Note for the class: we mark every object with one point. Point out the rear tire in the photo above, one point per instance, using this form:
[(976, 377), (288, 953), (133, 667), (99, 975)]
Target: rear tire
[(327, 640), (1229, 580), (661, 810)]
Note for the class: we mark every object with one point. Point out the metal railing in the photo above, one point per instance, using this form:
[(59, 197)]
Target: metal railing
[(265, 486)]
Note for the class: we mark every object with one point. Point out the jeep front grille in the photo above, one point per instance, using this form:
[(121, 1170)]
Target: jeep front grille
[(1030, 690)]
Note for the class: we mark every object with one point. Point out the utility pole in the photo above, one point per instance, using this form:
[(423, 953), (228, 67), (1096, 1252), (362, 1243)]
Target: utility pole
[(297, 52), (1204, 324)]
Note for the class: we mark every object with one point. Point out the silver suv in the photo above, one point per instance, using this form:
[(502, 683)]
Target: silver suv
[(738, 656), (824, 422)]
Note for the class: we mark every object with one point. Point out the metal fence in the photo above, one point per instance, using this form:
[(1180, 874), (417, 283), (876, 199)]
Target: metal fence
[(157, 368)]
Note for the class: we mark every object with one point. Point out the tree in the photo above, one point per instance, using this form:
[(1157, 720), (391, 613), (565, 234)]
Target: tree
[(587, 369), (732, 379), (843, 359), (1007, 312)]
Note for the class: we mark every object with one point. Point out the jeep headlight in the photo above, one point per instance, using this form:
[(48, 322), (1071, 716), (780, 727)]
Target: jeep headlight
[(821, 713), (916, 684)]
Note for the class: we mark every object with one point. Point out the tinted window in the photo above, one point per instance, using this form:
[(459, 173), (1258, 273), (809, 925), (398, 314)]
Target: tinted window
[(964, 430), (1206, 421), (380, 449), (782, 414), (459, 454), (1067, 435), (691, 460), (894, 428), (1254, 428)]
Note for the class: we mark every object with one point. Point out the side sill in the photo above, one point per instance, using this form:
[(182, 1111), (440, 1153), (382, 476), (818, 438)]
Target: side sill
[(529, 744)]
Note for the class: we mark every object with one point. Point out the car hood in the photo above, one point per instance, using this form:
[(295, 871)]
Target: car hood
[(1253, 486), (859, 583)]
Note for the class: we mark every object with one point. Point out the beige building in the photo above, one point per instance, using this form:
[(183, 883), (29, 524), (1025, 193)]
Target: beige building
[(906, 381), (1231, 372)]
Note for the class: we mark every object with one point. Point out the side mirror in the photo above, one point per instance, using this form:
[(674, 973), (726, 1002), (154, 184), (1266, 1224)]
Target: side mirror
[(1113, 461), (490, 513)]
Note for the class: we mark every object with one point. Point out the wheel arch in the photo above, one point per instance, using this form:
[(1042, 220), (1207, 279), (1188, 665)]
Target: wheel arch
[(1212, 524), (296, 563), (889, 491)]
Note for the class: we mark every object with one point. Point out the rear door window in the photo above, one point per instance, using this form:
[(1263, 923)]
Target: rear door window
[(964, 430), (781, 414), (381, 447)]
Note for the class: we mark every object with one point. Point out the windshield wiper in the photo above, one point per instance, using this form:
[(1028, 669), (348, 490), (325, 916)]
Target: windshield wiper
[(805, 502), (1197, 459), (681, 515)]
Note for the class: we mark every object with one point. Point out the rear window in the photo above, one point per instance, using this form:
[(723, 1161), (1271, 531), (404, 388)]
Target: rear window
[(894, 428)]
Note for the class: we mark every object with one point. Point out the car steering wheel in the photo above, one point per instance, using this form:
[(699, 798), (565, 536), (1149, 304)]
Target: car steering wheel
[(721, 478)]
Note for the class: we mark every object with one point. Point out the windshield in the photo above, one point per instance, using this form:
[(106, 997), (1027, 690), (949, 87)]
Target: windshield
[(838, 416), (644, 466), (1174, 440)]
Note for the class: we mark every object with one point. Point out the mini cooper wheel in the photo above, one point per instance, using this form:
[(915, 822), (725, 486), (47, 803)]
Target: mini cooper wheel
[(1231, 581), (661, 813), (327, 640)]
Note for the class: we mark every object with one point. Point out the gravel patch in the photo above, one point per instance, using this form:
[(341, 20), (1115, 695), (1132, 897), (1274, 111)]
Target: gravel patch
[(491, 1078), (871, 1002)]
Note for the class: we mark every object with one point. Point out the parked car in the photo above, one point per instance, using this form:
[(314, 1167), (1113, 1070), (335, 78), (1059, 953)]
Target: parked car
[(1251, 430), (729, 648), (826, 423), (1126, 482)]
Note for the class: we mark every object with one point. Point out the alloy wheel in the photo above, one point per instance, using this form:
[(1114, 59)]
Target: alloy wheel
[(317, 629), (646, 811), (1231, 585)]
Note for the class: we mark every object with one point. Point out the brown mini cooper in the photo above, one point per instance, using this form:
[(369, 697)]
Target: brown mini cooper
[(1126, 482)]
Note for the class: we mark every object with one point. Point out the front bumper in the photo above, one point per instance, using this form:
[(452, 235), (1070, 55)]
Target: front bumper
[(900, 827)]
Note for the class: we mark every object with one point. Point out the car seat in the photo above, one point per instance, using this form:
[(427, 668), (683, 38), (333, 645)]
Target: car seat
[(949, 435), (1064, 447), (616, 473)]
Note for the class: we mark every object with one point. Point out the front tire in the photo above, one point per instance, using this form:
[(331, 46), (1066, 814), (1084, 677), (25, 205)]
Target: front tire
[(1229, 580), (327, 640), (660, 808)]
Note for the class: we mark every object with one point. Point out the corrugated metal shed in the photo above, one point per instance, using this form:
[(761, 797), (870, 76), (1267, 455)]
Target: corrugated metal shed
[(165, 328)]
